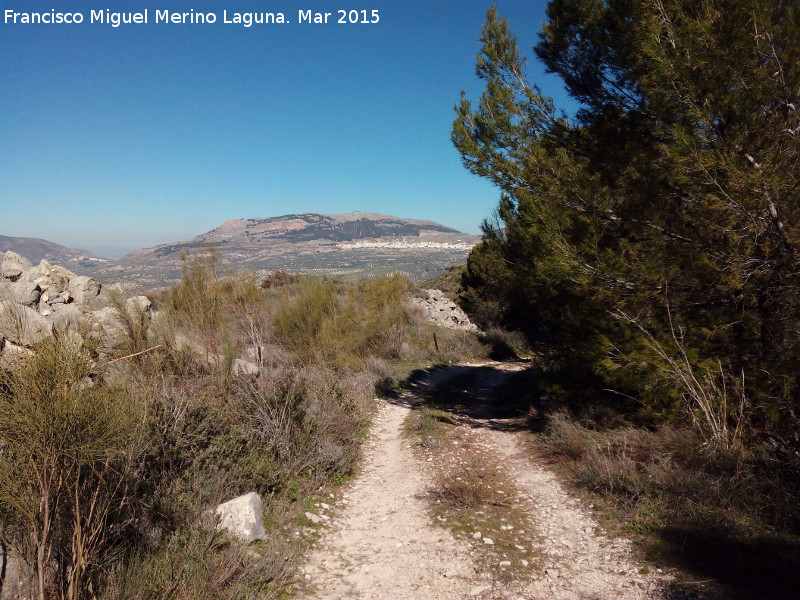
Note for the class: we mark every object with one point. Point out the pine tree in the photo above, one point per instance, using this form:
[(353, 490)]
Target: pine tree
[(662, 218)]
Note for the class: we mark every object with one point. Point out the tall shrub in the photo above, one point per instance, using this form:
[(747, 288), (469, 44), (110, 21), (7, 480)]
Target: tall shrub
[(66, 450)]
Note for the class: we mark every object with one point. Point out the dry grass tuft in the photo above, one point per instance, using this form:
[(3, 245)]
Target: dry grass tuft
[(468, 487)]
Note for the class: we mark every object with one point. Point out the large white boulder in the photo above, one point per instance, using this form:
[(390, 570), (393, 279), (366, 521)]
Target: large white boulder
[(40, 271), (440, 310), (244, 367), (83, 289), (139, 304), (107, 319), (242, 517), (11, 355), (23, 325), (66, 317), (14, 265), (22, 292), (109, 323)]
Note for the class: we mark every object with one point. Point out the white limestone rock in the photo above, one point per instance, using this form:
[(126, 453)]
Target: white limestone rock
[(440, 310), (139, 304), (66, 317), (479, 590), (107, 319), (22, 292), (14, 265), (244, 367), (53, 281), (39, 272), (108, 323), (242, 517), (314, 518), (83, 289), (23, 325), (11, 355), (17, 578)]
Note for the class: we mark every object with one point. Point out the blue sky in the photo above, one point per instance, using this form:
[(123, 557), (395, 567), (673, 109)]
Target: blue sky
[(121, 138)]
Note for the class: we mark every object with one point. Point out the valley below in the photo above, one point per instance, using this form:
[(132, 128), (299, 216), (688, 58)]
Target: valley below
[(333, 260)]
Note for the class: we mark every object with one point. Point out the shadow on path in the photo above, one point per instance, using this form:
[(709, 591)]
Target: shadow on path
[(764, 568), (473, 393)]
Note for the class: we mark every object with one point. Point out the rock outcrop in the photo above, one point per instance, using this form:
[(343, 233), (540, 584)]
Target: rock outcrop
[(440, 310), (23, 325), (14, 265), (44, 288), (83, 289), (17, 577), (38, 300)]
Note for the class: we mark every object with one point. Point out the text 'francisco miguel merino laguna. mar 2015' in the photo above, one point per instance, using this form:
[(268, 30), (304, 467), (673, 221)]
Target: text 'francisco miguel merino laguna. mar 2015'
[(191, 17)]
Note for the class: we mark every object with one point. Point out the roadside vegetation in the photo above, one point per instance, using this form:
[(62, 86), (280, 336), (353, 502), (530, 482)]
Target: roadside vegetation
[(646, 246), (112, 454), (726, 520)]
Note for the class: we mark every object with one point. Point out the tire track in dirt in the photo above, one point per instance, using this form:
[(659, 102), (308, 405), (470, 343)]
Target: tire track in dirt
[(383, 543)]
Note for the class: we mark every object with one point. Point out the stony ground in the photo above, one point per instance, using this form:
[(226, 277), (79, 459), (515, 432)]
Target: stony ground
[(389, 539)]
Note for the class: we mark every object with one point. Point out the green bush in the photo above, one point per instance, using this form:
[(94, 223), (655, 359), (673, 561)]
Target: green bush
[(209, 300), (199, 563), (305, 321), (134, 320), (68, 446)]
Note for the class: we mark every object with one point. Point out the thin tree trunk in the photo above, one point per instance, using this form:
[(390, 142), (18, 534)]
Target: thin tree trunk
[(4, 550), (41, 550)]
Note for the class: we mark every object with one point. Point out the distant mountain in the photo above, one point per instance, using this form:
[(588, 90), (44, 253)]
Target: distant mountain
[(35, 249), (312, 228), (355, 244)]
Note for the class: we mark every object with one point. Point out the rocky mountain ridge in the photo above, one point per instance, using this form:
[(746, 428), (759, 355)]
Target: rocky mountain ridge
[(351, 245), (317, 228)]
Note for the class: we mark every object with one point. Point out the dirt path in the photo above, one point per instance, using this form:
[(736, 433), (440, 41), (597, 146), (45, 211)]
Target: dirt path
[(575, 560), (384, 544)]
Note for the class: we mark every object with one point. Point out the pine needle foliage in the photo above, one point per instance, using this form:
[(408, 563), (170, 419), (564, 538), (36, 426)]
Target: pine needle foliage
[(670, 196)]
